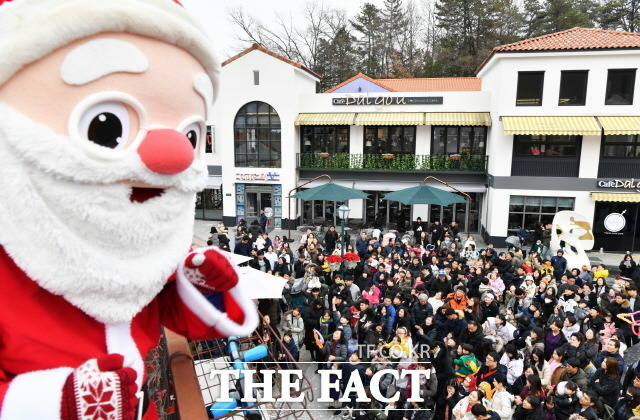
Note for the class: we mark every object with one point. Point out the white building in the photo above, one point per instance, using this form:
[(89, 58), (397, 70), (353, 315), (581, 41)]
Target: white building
[(549, 123)]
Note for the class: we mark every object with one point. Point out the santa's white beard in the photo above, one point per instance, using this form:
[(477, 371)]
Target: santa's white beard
[(76, 233)]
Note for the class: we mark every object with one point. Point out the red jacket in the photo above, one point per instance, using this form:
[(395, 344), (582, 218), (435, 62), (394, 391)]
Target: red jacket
[(40, 331)]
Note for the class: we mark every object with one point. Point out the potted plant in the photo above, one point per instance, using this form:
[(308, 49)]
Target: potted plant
[(324, 155), (387, 156), (455, 157), (334, 262), (351, 260)]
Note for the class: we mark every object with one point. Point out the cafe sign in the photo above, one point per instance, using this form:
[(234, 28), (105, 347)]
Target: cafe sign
[(263, 176), (621, 184), (388, 100)]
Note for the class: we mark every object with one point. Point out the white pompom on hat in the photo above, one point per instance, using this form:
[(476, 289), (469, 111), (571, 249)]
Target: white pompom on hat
[(31, 29)]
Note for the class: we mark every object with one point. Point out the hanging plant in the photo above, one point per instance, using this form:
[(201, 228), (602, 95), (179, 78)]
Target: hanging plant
[(324, 155), (387, 156), (455, 157)]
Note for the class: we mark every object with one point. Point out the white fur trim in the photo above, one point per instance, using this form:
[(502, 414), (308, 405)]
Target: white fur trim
[(198, 259), (30, 29), (35, 395), (101, 252), (120, 341), (209, 314), (99, 57)]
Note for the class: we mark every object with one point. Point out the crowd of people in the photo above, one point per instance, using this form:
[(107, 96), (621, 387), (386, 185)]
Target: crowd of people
[(503, 335)]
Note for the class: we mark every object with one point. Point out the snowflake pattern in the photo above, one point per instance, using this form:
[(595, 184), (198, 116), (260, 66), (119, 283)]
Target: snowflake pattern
[(97, 393)]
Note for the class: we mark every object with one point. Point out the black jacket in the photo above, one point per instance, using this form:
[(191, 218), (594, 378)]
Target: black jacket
[(565, 406)]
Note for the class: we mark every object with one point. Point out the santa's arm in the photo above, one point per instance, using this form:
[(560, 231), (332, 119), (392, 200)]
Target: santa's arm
[(226, 310)]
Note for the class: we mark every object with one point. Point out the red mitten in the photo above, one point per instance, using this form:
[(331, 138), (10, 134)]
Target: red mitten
[(210, 270), (100, 389)]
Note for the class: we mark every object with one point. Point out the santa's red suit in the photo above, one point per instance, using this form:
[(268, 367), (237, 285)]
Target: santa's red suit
[(45, 337)]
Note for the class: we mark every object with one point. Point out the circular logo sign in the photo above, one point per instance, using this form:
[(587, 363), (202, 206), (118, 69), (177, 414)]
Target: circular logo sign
[(614, 222)]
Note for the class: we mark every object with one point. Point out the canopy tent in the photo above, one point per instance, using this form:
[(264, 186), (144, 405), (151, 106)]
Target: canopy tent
[(330, 192), (424, 194)]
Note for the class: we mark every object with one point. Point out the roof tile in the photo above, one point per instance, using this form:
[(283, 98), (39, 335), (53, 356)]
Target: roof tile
[(575, 39)]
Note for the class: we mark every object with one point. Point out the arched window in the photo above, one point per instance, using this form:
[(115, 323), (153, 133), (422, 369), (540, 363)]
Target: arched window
[(257, 136)]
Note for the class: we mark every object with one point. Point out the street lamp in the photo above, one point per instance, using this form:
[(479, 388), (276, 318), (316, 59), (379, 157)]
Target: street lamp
[(343, 212)]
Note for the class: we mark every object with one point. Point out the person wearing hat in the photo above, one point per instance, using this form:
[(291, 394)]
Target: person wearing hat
[(441, 284)]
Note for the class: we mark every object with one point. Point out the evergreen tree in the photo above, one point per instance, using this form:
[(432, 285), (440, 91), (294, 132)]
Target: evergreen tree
[(395, 25), (337, 58), (620, 14), (369, 24)]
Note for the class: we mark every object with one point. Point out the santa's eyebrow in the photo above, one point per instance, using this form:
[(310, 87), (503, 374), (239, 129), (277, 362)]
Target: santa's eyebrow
[(99, 57)]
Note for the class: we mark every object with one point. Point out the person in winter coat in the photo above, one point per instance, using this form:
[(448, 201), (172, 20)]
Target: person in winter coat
[(559, 263), (467, 364), (294, 325), (335, 350), (462, 410), (529, 409), (292, 347), (566, 403), (512, 359), (606, 382), (627, 267), (574, 374), (502, 400)]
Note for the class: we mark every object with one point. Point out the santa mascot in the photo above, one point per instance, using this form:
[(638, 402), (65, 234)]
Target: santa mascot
[(103, 106)]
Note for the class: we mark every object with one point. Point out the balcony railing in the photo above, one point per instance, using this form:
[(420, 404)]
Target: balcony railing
[(545, 166), (618, 168), (393, 162)]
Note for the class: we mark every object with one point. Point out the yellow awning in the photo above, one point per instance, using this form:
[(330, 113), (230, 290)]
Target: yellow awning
[(620, 125), (458, 118), (563, 126), (617, 197), (331, 118), (390, 118)]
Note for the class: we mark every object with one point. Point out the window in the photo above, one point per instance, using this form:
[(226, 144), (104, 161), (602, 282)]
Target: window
[(257, 136), (208, 148), (462, 140), (620, 85), (525, 212), (546, 146), (621, 146), (324, 139), (573, 87), (256, 77), (390, 139), (529, 88)]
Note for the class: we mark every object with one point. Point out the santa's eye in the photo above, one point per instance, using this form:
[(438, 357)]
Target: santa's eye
[(106, 124), (193, 132)]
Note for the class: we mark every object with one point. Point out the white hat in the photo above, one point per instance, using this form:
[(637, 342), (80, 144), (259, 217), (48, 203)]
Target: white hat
[(31, 29)]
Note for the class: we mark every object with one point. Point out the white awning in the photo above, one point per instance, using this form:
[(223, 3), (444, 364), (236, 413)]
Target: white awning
[(214, 181)]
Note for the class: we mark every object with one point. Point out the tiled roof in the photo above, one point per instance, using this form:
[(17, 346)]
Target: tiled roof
[(575, 39), (571, 40), (434, 84), (273, 54), (357, 76)]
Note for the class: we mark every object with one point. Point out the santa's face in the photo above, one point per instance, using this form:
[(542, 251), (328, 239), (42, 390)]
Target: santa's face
[(100, 160)]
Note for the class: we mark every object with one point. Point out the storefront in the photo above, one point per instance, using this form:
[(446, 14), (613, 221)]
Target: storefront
[(616, 222), (252, 198)]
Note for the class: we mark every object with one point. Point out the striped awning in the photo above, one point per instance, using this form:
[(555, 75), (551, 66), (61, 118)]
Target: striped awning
[(329, 118), (563, 126), (616, 197), (458, 118), (390, 118), (620, 125)]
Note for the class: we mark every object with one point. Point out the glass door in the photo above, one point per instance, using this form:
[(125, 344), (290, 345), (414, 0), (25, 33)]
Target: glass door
[(251, 206)]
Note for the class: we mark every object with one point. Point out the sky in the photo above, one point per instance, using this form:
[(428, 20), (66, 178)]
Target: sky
[(214, 15)]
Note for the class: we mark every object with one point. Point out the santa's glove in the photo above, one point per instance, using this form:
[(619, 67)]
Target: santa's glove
[(210, 271), (100, 388)]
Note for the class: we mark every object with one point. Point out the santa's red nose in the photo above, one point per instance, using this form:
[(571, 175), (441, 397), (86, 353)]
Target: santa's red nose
[(166, 151)]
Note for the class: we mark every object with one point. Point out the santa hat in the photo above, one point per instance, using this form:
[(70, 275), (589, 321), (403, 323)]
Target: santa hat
[(31, 29)]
